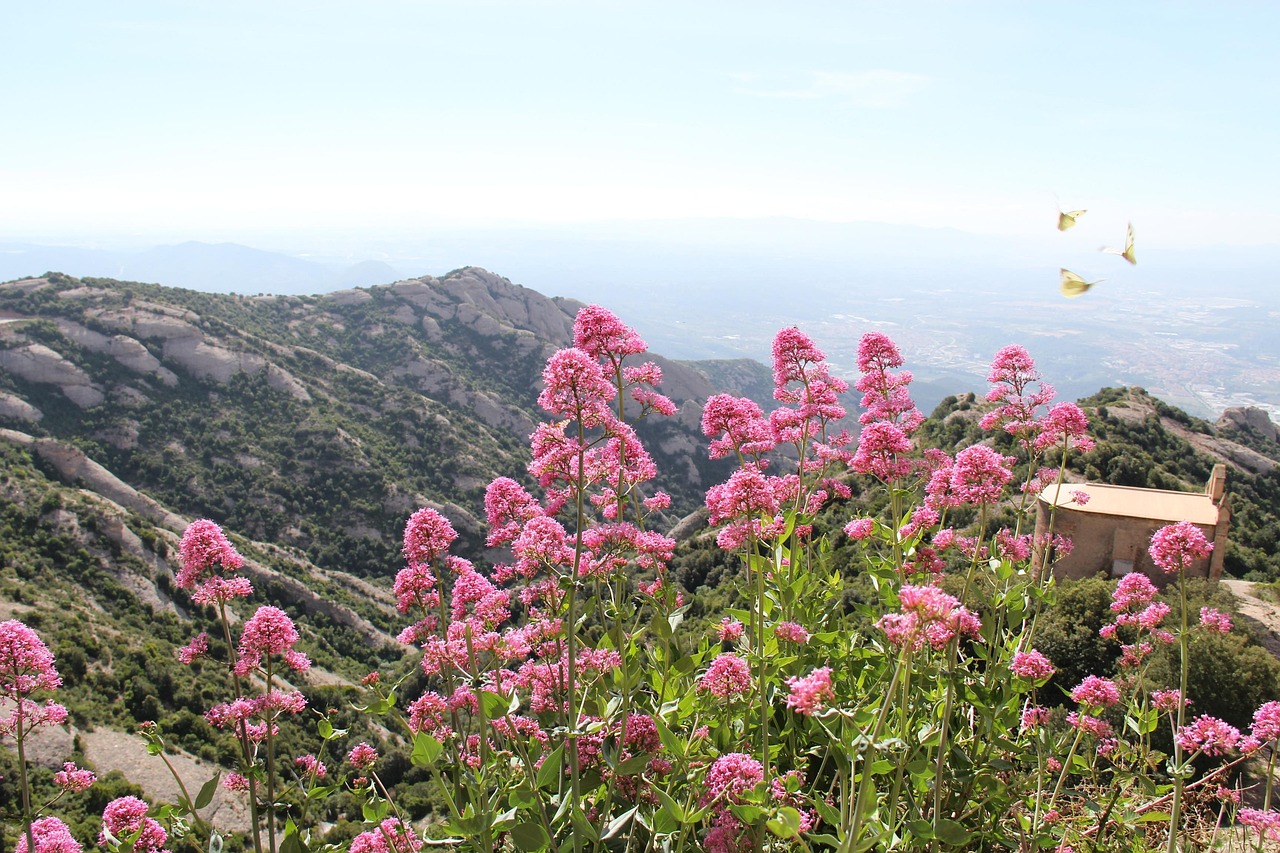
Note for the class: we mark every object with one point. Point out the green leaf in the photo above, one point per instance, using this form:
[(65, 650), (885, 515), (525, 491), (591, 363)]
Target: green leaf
[(495, 704), (671, 807), (786, 824), (635, 764), (952, 833), (375, 811), (529, 837), (426, 750), (552, 769), (292, 844), (207, 791), (325, 728), (921, 829)]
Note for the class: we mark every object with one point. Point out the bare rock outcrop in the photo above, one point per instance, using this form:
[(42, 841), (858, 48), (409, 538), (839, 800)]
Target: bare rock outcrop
[(37, 363), (1250, 419), (124, 349), (73, 466), (15, 408)]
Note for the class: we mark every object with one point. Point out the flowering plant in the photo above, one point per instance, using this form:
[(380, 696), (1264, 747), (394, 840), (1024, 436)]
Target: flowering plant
[(560, 702)]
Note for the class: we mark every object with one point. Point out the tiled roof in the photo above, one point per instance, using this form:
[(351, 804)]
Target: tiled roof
[(1132, 502)]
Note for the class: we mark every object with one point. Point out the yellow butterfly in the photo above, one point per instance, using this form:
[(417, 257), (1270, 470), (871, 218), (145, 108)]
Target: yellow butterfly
[(1073, 285), (1068, 219), (1127, 254)]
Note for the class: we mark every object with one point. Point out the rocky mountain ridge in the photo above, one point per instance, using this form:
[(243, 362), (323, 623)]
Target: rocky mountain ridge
[(319, 422)]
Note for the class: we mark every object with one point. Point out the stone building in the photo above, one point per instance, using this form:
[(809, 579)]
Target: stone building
[(1111, 528)]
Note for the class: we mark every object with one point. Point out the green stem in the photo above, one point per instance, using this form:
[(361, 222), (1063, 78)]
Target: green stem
[(242, 733), (1175, 812), (23, 784), (271, 772)]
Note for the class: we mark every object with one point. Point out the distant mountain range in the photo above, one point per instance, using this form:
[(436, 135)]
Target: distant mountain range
[(1194, 326), (218, 268)]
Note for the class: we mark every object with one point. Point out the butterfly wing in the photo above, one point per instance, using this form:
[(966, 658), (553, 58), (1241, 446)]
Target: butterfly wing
[(1073, 285), (1068, 219), (1128, 254)]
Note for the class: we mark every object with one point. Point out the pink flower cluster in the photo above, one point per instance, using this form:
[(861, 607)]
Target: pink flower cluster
[(1176, 547), (810, 693), (391, 836), (1265, 823), (51, 836), (427, 536), (269, 631), (258, 714), (928, 615), (125, 816), (728, 677), (72, 778), (26, 665), (1032, 665), (1208, 735), (1215, 620), (890, 417), (1095, 693), (209, 565)]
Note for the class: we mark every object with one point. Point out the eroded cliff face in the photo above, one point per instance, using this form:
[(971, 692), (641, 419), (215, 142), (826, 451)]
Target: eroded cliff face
[(292, 418)]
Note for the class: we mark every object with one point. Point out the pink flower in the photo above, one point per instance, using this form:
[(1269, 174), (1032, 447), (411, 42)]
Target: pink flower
[(730, 776), (71, 778), (1208, 735), (507, 506), (884, 394), (928, 615), (309, 765), (1081, 498), (415, 587), (26, 664), (1266, 823), (1166, 700), (205, 547), (792, 351), (881, 447), (1013, 373), (1215, 620), (735, 425), (860, 528), (1095, 726), (1134, 590), (575, 387), (1176, 547), (728, 677), (197, 648), (427, 536), (1033, 717), (390, 836), (1032, 665), (729, 630), (791, 632), (810, 692), (125, 816), (362, 756), (1266, 722), (269, 631), (208, 565), (979, 475), (236, 783), (1096, 693), (1065, 426), (51, 836), (599, 333)]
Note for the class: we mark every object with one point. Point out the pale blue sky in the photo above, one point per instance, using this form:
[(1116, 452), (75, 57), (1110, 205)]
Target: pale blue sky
[(196, 120)]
